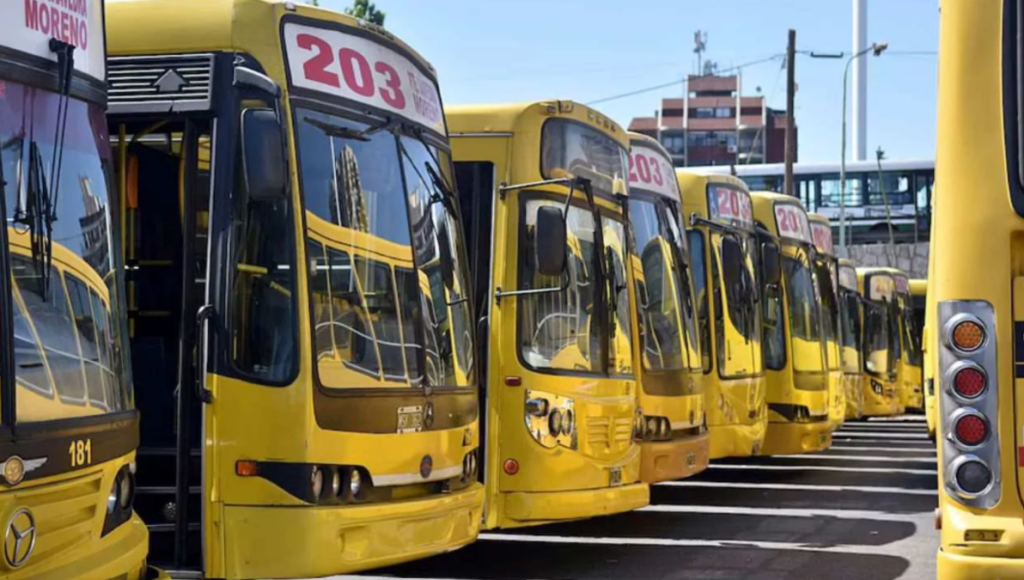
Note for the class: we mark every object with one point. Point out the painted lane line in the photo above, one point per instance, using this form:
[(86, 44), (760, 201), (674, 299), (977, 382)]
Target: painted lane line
[(801, 487), (778, 546), (877, 435), (887, 450), (859, 458), (822, 468), (789, 512)]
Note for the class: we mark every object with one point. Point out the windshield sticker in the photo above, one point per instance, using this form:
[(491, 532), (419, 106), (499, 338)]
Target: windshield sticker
[(822, 234), (848, 278), (730, 206), (881, 288), (792, 222), (650, 170), (357, 68), (78, 23)]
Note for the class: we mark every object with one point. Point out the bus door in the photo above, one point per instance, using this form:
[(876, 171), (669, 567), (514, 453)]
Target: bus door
[(202, 220)]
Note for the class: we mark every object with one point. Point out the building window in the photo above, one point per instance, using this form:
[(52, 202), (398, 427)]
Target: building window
[(704, 113), (723, 112), (675, 144)]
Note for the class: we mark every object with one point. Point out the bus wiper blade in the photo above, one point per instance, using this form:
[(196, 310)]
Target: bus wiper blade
[(332, 130)]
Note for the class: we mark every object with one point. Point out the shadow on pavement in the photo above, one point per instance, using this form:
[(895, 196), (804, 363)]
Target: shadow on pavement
[(514, 560), (893, 503)]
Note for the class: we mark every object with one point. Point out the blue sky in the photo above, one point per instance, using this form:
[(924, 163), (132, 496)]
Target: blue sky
[(585, 50)]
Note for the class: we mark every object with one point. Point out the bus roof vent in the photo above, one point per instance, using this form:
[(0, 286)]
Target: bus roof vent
[(159, 84)]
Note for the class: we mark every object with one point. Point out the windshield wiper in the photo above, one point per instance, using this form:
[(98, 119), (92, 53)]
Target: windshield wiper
[(332, 130)]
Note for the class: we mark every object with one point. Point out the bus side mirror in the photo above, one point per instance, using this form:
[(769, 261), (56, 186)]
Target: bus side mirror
[(732, 259), (549, 241), (770, 264), (263, 155)]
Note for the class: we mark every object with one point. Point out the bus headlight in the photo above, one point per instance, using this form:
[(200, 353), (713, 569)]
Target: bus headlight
[(336, 482), (317, 481), (550, 419), (355, 483), (119, 500), (555, 423)]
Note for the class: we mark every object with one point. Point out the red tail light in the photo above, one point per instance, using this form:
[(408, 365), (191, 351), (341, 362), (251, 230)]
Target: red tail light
[(971, 430), (969, 382)]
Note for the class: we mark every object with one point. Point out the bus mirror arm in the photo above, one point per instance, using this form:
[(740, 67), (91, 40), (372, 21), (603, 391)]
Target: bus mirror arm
[(204, 314), (499, 294)]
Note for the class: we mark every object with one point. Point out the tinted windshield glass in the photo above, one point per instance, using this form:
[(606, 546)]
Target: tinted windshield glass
[(620, 352), (851, 331), (802, 304), (379, 237), (663, 342), (568, 147), (737, 314), (877, 335), (700, 291), (68, 312), (911, 333), (824, 277)]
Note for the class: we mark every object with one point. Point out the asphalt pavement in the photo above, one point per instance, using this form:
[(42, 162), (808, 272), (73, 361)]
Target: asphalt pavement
[(863, 509)]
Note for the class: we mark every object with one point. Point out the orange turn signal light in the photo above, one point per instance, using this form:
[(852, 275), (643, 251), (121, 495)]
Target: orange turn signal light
[(968, 335), (246, 468)]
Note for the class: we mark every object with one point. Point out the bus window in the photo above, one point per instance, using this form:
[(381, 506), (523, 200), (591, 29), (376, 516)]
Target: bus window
[(737, 319), (700, 288), (898, 188), (851, 332), (830, 190), (558, 330), (85, 323), (829, 312)]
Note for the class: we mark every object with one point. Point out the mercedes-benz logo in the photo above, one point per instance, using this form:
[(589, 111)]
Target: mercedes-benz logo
[(20, 538)]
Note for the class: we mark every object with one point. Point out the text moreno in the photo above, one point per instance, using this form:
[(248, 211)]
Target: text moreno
[(65, 20)]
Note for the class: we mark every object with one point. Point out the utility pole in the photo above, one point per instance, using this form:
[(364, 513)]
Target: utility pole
[(790, 110)]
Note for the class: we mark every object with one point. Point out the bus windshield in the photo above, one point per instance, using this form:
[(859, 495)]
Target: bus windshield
[(877, 336), (824, 276), (68, 315), (911, 334), (381, 234), (802, 302), (737, 315), (569, 147), (851, 331), (667, 321)]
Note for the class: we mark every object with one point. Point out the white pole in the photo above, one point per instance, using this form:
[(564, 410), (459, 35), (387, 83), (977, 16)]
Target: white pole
[(860, 80)]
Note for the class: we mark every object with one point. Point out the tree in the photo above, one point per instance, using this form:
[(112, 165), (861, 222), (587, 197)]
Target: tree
[(366, 10)]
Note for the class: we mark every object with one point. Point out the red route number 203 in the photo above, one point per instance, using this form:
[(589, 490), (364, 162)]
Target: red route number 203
[(358, 68)]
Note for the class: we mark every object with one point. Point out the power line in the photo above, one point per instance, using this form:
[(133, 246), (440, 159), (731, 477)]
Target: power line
[(684, 80)]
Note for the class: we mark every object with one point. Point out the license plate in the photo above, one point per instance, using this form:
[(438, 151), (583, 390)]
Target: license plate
[(691, 460), (410, 419), (615, 477)]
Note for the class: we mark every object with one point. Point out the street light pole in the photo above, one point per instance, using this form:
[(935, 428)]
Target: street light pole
[(877, 48)]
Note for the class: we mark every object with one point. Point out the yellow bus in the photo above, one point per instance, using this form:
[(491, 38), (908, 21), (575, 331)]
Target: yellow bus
[(977, 290), (556, 327), (299, 302), (674, 436), (69, 427), (880, 342), (851, 332), (826, 276), (911, 357), (792, 335), (724, 255)]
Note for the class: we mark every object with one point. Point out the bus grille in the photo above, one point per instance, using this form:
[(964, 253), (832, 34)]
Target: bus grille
[(64, 514), (607, 433), (159, 84)]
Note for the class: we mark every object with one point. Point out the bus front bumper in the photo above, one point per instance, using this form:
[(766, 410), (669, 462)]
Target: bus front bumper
[(786, 438), (290, 542), (736, 440), (533, 508), (676, 459), (122, 555), (960, 567)]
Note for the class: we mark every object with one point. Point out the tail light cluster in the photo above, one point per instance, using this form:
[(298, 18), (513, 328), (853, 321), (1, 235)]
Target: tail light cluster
[(969, 403)]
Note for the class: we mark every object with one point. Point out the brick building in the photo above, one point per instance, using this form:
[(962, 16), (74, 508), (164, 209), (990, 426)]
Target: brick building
[(715, 125)]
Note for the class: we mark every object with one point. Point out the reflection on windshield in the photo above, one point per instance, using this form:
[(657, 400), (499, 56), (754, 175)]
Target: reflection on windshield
[(737, 316), (576, 149), (851, 331), (823, 276), (68, 349), (381, 234), (620, 354), (877, 332), (804, 323), (911, 334)]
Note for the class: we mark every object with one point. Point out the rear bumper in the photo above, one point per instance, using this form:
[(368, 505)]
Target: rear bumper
[(794, 438), (289, 542), (677, 459), (737, 440), (959, 567), (532, 508)]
